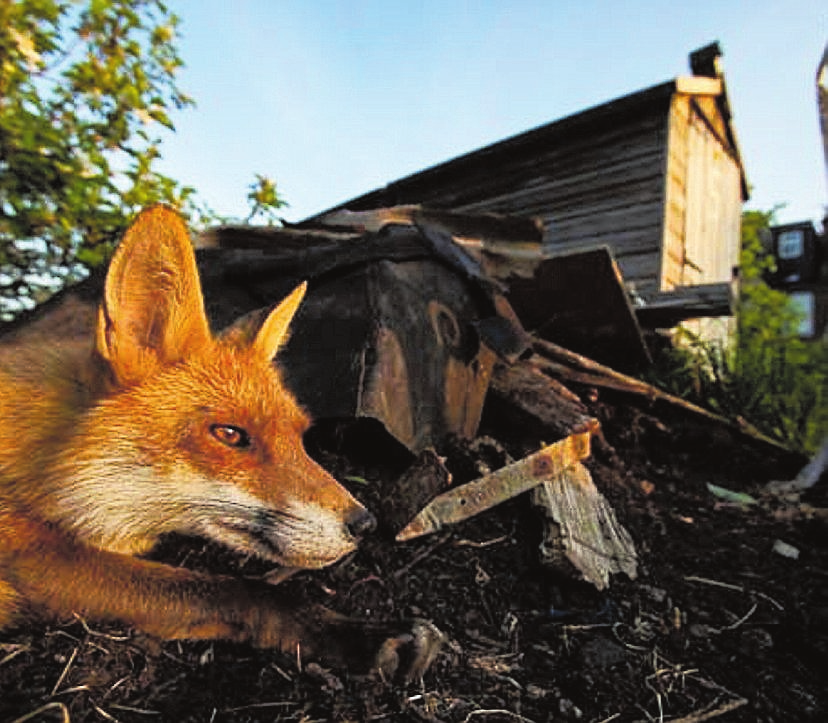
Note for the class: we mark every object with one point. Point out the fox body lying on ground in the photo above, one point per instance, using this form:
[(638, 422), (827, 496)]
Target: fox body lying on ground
[(155, 427)]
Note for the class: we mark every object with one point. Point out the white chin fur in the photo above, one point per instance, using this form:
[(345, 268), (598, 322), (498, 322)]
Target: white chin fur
[(145, 507), (311, 536)]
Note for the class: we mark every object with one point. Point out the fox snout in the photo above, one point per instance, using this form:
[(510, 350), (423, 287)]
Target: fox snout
[(313, 534), (312, 537), (360, 522)]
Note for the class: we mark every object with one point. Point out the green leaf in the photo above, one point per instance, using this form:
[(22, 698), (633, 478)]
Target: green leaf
[(82, 85), (739, 498)]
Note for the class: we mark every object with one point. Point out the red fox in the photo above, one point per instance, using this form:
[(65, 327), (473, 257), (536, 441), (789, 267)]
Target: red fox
[(157, 426)]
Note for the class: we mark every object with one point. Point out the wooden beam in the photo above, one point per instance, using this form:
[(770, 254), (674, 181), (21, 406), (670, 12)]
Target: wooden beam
[(698, 85), (568, 366), (665, 309)]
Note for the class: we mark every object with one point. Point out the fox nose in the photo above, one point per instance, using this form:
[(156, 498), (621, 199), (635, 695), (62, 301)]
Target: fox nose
[(361, 522)]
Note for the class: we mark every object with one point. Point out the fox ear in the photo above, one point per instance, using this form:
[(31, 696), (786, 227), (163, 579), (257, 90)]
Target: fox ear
[(274, 333), (153, 310)]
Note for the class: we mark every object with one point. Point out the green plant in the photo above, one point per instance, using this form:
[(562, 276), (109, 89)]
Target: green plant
[(84, 89), (264, 200), (766, 375), (87, 89)]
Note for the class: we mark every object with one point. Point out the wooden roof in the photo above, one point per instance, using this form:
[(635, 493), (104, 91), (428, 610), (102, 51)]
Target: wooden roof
[(706, 82)]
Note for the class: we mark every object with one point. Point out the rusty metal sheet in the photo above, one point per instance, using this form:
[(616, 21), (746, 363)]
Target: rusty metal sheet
[(474, 497), (576, 299), (394, 339)]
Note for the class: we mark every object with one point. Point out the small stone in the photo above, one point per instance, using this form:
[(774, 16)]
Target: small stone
[(786, 550)]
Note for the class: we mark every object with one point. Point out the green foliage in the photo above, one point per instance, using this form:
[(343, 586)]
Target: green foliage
[(87, 88), (83, 90), (264, 200), (766, 376)]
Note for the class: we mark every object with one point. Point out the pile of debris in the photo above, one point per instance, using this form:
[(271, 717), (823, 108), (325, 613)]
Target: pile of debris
[(453, 365), (414, 315)]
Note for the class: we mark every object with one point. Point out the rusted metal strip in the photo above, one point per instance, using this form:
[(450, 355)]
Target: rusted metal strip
[(470, 499)]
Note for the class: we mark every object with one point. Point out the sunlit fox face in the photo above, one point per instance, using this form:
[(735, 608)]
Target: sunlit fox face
[(211, 447), (192, 434)]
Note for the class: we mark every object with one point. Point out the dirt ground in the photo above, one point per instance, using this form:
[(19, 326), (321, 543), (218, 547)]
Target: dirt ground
[(716, 626)]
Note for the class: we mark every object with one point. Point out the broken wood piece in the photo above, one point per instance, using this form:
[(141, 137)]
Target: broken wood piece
[(470, 499), (665, 309), (578, 299), (524, 402), (485, 230), (404, 496), (581, 529), (570, 366)]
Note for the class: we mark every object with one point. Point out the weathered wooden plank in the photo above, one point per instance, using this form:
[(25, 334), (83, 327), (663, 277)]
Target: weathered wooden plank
[(620, 191), (672, 271), (714, 208), (708, 109), (699, 85), (569, 192), (642, 198), (581, 532), (604, 219), (675, 210), (578, 300), (478, 183), (668, 308), (639, 267), (674, 220), (511, 182), (619, 179), (621, 243), (564, 364)]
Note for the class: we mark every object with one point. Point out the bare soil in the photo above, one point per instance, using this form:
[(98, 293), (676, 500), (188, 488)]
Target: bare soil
[(716, 626)]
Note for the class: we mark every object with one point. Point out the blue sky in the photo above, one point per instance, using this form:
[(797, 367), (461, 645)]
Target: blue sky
[(333, 99)]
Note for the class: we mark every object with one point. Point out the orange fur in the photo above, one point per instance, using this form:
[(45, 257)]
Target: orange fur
[(160, 427)]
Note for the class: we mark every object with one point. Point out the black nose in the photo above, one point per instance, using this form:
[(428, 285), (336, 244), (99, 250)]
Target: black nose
[(361, 523)]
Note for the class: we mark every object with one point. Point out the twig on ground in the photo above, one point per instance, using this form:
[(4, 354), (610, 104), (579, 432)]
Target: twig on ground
[(508, 713), (16, 649), (484, 543), (709, 712), (714, 583), (420, 556), (63, 634), (740, 621), (73, 689), (65, 671), (103, 714), (736, 588), (117, 684), (261, 706), (132, 709), (98, 634), (43, 709), (281, 672)]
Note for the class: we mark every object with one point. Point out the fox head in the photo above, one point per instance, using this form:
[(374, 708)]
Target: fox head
[(196, 434)]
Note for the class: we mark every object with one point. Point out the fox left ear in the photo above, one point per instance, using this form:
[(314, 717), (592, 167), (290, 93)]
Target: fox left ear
[(152, 312), (274, 333)]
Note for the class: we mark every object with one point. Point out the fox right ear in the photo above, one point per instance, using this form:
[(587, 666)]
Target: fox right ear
[(153, 311), (275, 331)]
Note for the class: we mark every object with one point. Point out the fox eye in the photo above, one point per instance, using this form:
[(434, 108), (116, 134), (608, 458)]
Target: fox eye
[(230, 435)]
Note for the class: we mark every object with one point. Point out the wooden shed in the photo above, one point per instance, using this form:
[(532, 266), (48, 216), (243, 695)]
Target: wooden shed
[(656, 175)]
